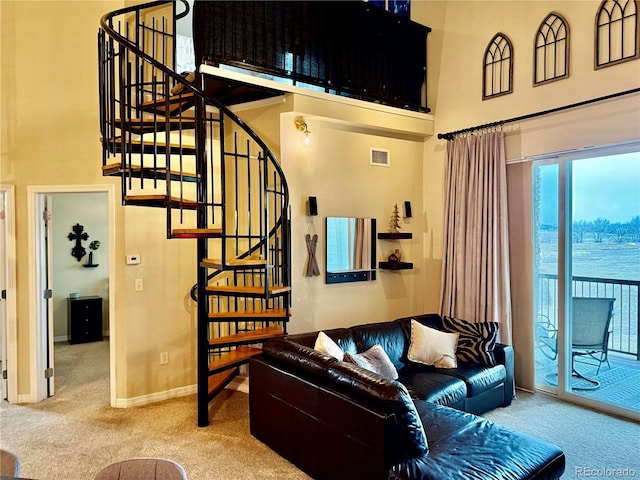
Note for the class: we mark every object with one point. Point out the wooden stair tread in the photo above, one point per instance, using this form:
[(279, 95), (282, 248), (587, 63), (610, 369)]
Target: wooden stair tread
[(212, 232), (149, 143), (235, 263), (246, 291), (147, 125), (177, 103), (253, 336), (149, 147), (175, 147), (182, 97), (159, 201), (276, 313), (219, 380), (158, 173), (234, 358)]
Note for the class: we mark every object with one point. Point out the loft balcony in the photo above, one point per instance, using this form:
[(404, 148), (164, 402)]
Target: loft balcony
[(346, 48)]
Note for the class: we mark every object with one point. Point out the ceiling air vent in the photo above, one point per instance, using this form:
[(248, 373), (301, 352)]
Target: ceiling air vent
[(380, 158)]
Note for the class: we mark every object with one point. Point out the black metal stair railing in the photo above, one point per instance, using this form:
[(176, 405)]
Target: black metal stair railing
[(174, 147), (146, 77)]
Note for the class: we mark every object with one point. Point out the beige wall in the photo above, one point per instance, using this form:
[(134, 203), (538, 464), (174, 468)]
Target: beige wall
[(162, 317), (337, 172), (470, 25)]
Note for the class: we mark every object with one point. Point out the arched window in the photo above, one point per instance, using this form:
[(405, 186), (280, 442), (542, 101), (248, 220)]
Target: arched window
[(498, 67), (616, 32), (551, 52)]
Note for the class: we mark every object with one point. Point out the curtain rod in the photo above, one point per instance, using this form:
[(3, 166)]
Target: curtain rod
[(451, 135)]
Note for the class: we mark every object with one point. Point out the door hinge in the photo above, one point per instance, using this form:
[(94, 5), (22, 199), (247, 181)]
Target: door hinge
[(48, 293), (48, 373), (4, 374), (3, 294)]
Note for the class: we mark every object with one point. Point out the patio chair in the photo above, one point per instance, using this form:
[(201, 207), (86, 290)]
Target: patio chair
[(590, 329), (547, 337), (591, 318)]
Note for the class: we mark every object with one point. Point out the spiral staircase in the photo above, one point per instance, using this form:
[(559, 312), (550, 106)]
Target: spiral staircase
[(175, 144)]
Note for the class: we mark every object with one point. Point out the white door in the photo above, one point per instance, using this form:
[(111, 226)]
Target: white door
[(3, 297), (45, 294)]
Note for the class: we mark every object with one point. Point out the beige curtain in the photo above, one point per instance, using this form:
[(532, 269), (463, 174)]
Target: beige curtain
[(362, 249), (475, 264)]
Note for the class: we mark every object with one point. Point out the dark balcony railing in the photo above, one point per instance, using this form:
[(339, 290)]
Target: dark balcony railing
[(625, 324), (348, 48)]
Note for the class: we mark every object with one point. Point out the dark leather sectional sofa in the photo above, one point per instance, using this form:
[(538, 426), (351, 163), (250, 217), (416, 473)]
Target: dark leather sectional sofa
[(336, 420)]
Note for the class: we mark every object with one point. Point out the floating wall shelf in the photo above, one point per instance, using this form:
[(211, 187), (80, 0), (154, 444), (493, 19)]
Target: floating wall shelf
[(395, 265), (395, 236)]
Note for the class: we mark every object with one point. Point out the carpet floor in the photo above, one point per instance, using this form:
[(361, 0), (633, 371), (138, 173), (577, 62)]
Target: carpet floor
[(75, 433), (595, 444)]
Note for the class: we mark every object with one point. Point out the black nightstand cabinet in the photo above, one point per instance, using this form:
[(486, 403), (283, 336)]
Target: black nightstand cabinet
[(85, 319)]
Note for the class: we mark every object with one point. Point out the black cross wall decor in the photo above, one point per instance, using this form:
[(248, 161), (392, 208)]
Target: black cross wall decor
[(78, 250)]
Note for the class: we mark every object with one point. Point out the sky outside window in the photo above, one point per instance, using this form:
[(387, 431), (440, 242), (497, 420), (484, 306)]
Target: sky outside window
[(603, 187)]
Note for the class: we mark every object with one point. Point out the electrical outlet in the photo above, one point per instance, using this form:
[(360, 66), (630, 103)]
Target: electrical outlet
[(164, 358), (139, 285)]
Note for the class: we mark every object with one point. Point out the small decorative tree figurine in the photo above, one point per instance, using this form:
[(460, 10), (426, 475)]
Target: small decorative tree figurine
[(95, 245), (394, 222)]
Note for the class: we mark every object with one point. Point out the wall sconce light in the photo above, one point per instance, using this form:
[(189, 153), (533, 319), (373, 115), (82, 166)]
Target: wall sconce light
[(306, 140)]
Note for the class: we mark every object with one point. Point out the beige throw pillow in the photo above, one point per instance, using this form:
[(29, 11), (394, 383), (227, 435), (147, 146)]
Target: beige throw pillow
[(432, 347), (325, 344), (375, 360)]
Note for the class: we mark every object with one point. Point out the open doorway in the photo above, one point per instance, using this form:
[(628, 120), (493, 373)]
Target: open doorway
[(72, 236)]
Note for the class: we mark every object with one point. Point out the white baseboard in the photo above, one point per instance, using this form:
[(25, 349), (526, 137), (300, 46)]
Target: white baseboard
[(155, 397), (240, 384)]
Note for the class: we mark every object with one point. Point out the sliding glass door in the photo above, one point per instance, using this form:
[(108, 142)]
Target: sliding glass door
[(587, 277)]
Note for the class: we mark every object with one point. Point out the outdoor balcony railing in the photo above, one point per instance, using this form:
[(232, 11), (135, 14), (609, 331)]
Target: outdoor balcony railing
[(625, 323)]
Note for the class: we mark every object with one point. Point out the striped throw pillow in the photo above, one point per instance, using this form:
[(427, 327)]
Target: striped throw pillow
[(476, 341)]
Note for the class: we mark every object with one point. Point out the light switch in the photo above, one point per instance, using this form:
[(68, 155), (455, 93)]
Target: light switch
[(139, 285)]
